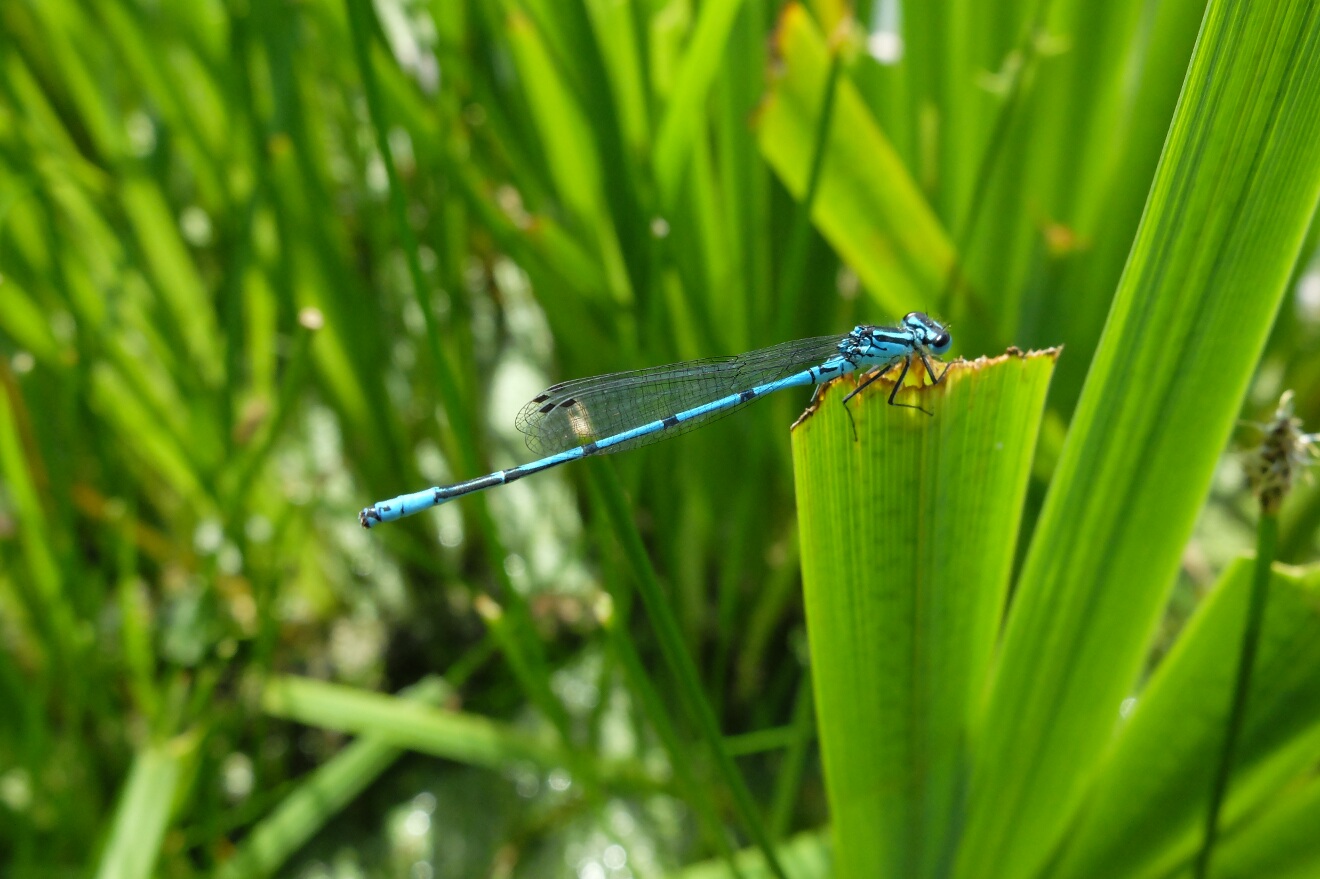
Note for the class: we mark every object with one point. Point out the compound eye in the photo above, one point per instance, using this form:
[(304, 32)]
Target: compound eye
[(941, 343)]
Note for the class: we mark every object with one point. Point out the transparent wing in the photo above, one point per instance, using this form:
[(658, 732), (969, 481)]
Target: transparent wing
[(575, 413)]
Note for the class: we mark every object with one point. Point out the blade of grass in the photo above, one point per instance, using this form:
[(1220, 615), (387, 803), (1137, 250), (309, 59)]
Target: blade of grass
[(143, 813), (609, 494), (41, 590), (793, 269), (24, 322), (531, 658), (527, 662), (788, 782), (1075, 175), (465, 737), (631, 220), (571, 99), (405, 722), (565, 135), (744, 178), (324, 793), (174, 276), (361, 26), (699, 796), (679, 126), (270, 842), (969, 195)]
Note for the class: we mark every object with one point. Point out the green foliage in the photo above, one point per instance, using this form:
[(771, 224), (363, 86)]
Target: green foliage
[(263, 264)]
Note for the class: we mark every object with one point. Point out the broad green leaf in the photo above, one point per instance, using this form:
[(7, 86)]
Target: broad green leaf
[(908, 533), (867, 204), (1235, 191), (1148, 805)]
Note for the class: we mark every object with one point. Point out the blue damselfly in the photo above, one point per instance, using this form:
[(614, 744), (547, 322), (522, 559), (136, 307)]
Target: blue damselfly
[(610, 413)]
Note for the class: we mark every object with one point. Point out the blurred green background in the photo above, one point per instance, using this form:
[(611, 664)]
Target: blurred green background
[(262, 264)]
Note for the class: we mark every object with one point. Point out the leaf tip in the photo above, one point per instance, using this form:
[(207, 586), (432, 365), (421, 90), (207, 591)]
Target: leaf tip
[(923, 383), (1013, 351)]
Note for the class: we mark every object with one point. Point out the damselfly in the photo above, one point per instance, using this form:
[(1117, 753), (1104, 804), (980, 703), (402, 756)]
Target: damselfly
[(610, 413)]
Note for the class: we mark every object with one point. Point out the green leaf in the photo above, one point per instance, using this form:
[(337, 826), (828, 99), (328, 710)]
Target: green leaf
[(1236, 188), (908, 533), (867, 205)]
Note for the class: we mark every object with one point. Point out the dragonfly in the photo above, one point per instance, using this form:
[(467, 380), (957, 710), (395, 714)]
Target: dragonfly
[(624, 410)]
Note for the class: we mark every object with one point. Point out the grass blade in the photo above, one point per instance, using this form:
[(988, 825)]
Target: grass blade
[(696, 74), (144, 810), (320, 796), (680, 661)]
